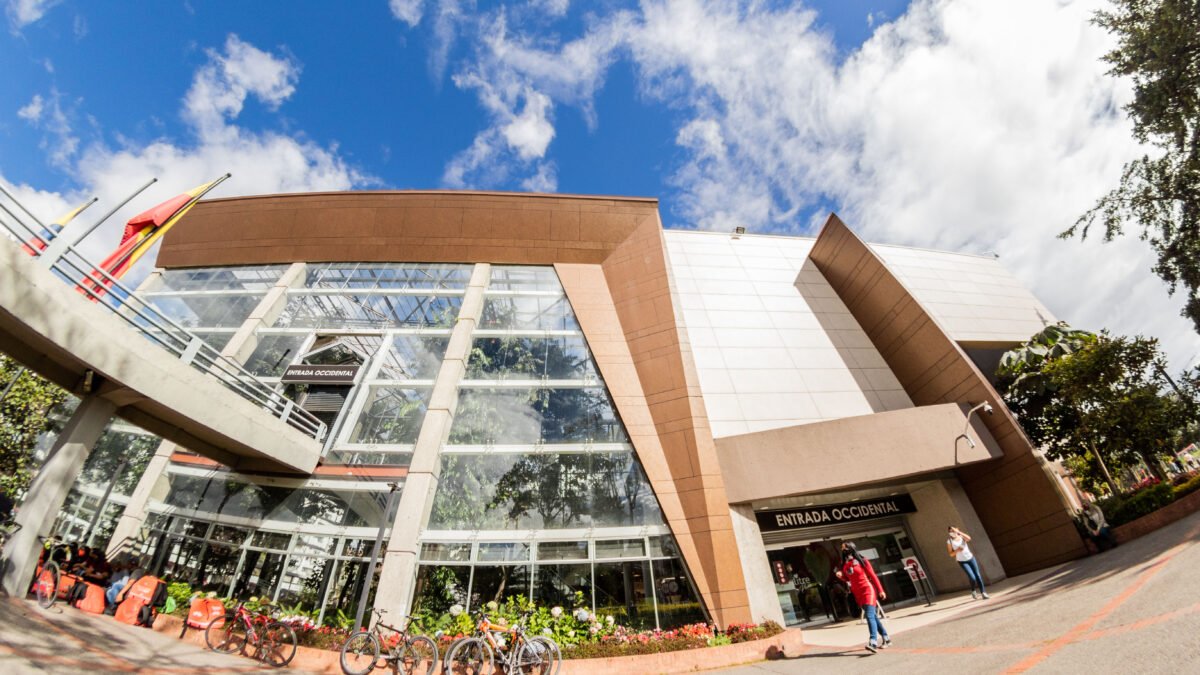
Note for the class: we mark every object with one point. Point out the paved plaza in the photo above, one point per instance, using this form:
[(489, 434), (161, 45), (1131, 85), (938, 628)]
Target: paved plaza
[(1130, 610)]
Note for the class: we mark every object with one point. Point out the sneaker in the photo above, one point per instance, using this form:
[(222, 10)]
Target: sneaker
[(986, 596), (974, 595), (887, 642), (872, 648)]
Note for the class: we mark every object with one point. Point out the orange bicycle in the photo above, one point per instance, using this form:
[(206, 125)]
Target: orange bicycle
[(274, 642)]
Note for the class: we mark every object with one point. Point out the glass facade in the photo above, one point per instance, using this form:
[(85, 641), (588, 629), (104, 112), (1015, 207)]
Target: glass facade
[(540, 492), (536, 449)]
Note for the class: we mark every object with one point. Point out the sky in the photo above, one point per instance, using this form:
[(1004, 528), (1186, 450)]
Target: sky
[(968, 125)]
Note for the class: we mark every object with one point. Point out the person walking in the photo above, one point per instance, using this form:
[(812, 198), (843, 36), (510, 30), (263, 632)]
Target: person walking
[(957, 547), (867, 592)]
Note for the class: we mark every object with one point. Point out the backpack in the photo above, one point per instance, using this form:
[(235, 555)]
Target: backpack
[(202, 612), (142, 598), (91, 599)]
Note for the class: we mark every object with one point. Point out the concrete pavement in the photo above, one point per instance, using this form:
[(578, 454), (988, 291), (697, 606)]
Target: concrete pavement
[(1131, 610), (66, 640)]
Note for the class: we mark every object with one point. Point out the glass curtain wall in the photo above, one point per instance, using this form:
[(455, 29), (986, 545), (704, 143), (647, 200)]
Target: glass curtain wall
[(211, 302), (537, 453), (306, 542), (109, 475)]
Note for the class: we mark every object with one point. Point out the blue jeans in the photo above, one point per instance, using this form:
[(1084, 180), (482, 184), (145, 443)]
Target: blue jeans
[(874, 624), (971, 567)]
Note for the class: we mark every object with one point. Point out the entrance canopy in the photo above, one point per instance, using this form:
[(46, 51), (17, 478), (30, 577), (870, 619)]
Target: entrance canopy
[(852, 451)]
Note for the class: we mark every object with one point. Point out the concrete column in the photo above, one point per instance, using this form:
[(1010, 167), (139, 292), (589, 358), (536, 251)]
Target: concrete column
[(756, 568), (399, 573), (49, 490), (940, 504), (125, 534), (239, 348)]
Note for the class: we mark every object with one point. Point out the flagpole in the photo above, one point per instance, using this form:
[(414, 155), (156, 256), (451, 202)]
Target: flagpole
[(116, 208), (21, 206), (187, 205)]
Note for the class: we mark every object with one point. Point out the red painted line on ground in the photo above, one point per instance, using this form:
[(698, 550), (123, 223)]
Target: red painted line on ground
[(1079, 630), (1142, 623)]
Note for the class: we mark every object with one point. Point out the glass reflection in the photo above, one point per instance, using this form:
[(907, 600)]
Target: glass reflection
[(528, 312), (249, 278), (529, 358), (388, 275), (368, 311), (542, 491), (393, 415), (622, 590), (522, 416), (524, 278), (413, 357)]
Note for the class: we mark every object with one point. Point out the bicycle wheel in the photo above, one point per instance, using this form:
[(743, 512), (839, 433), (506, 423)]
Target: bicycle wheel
[(534, 658), (360, 653), (418, 656), (45, 587), (228, 635), (469, 656), (555, 652), (277, 647)]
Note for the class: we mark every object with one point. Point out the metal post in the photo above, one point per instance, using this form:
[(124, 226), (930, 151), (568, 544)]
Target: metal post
[(366, 588), (104, 500), (12, 383), (22, 207), (60, 244)]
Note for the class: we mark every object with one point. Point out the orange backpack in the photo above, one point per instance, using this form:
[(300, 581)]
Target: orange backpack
[(92, 599), (141, 600), (203, 610)]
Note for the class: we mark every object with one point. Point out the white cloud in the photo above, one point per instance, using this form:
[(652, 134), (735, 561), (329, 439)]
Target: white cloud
[(21, 13), (46, 114), (408, 11), (261, 162), (32, 111), (966, 125), (220, 87), (530, 132)]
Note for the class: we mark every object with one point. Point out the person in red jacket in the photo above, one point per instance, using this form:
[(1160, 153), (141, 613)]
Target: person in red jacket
[(867, 592)]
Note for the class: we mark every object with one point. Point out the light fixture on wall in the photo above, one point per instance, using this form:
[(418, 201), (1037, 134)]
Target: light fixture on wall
[(738, 232), (984, 407)]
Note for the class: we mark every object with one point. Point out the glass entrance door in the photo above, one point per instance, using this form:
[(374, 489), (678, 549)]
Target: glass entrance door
[(808, 590)]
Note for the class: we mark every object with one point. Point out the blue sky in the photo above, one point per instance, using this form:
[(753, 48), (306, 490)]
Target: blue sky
[(969, 125)]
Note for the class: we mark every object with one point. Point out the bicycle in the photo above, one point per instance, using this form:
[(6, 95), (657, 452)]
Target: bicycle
[(360, 652), (47, 583), (274, 642), (476, 654)]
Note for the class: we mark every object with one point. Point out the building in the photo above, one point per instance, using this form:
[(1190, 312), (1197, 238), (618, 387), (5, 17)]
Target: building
[(551, 395)]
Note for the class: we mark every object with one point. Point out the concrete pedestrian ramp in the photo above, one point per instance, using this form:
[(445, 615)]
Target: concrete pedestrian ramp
[(157, 375)]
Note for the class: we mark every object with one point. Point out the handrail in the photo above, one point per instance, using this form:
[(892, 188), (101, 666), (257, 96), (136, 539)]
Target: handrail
[(104, 289)]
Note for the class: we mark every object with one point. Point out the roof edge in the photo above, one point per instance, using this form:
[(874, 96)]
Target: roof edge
[(456, 193)]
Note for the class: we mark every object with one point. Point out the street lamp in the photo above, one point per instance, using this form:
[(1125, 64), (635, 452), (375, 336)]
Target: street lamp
[(984, 407)]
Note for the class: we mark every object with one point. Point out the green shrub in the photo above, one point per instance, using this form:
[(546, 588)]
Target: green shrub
[(1187, 487), (1121, 510)]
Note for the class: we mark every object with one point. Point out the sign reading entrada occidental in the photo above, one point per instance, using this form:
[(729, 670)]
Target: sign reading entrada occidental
[(832, 514), (320, 374)]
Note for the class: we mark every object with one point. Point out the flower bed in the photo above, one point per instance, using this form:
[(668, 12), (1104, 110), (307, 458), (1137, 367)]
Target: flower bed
[(1149, 497)]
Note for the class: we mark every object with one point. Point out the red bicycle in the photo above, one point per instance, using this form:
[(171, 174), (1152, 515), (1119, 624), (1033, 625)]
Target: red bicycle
[(273, 642)]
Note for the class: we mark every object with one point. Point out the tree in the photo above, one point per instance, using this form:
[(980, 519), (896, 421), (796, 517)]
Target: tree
[(1087, 398), (1159, 49), (24, 415)]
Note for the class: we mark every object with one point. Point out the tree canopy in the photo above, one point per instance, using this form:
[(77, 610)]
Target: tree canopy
[(1158, 48), (1094, 400), (24, 415)]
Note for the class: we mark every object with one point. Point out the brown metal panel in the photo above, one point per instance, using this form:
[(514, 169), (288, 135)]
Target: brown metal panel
[(1025, 516), (668, 432)]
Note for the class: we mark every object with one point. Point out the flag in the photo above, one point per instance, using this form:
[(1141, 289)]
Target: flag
[(145, 229), (36, 245)]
